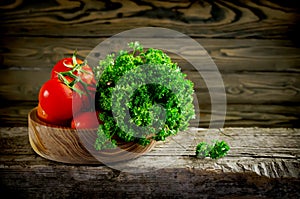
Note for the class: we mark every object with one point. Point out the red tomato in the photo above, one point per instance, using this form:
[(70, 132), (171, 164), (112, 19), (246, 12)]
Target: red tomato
[(60, 66), (86, 120), (57, 102), (66, 64), (85, 74)]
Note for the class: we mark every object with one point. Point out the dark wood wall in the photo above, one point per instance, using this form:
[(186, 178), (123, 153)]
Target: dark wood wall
[(254, 44)]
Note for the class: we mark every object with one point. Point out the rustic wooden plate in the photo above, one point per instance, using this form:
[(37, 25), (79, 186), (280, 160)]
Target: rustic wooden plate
[(67, 145)]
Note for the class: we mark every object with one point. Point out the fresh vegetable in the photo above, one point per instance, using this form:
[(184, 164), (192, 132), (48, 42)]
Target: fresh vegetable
[(56, 102), (63, 65), (155, 109), (70, 90), (146, 102), (77, 69), (81, 75), (86, 120), (217, 149)]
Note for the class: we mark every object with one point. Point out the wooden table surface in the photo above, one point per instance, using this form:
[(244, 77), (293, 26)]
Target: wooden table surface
[(255, 46)]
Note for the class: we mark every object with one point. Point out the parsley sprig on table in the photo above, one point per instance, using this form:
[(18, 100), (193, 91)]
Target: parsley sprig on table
[(146, 102), (217, 149)]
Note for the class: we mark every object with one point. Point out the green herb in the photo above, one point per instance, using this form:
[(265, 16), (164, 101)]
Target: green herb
[(156, 110), (216, 150)]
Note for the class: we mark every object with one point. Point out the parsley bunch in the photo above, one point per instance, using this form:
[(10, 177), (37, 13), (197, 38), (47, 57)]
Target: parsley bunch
[(137, 112), (216, 150)]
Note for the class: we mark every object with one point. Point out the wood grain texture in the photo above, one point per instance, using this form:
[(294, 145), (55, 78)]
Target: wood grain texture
[(242, 88), (14, 114), (230, 55), (248, 146), (211, 19), (236, 56), (262, 162), (67, 145), (260, 98), (261, 72), (255, 45)]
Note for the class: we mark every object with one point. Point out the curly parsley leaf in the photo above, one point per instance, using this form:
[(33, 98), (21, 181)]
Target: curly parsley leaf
[(146, 102), (216, 150)]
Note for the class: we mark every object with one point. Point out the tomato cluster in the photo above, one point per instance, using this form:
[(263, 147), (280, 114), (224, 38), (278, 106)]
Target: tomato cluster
[(66, 98)]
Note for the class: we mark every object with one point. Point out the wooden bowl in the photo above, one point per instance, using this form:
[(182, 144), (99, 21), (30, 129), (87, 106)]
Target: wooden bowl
[(67, 145)]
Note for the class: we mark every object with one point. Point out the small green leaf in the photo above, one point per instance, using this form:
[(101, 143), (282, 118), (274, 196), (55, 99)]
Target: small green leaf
[(202, 150), (216, 150)]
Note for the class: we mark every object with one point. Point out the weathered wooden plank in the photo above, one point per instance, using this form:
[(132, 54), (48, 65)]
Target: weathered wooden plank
[(261, 79), (22, 85), (244, 142), (14, 113), (262, 162), (34, 53), (99, 182), (267, 152), (241, 88), (241, 19)]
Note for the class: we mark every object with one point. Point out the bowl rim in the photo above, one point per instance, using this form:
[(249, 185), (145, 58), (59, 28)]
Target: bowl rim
[(33, 120)]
